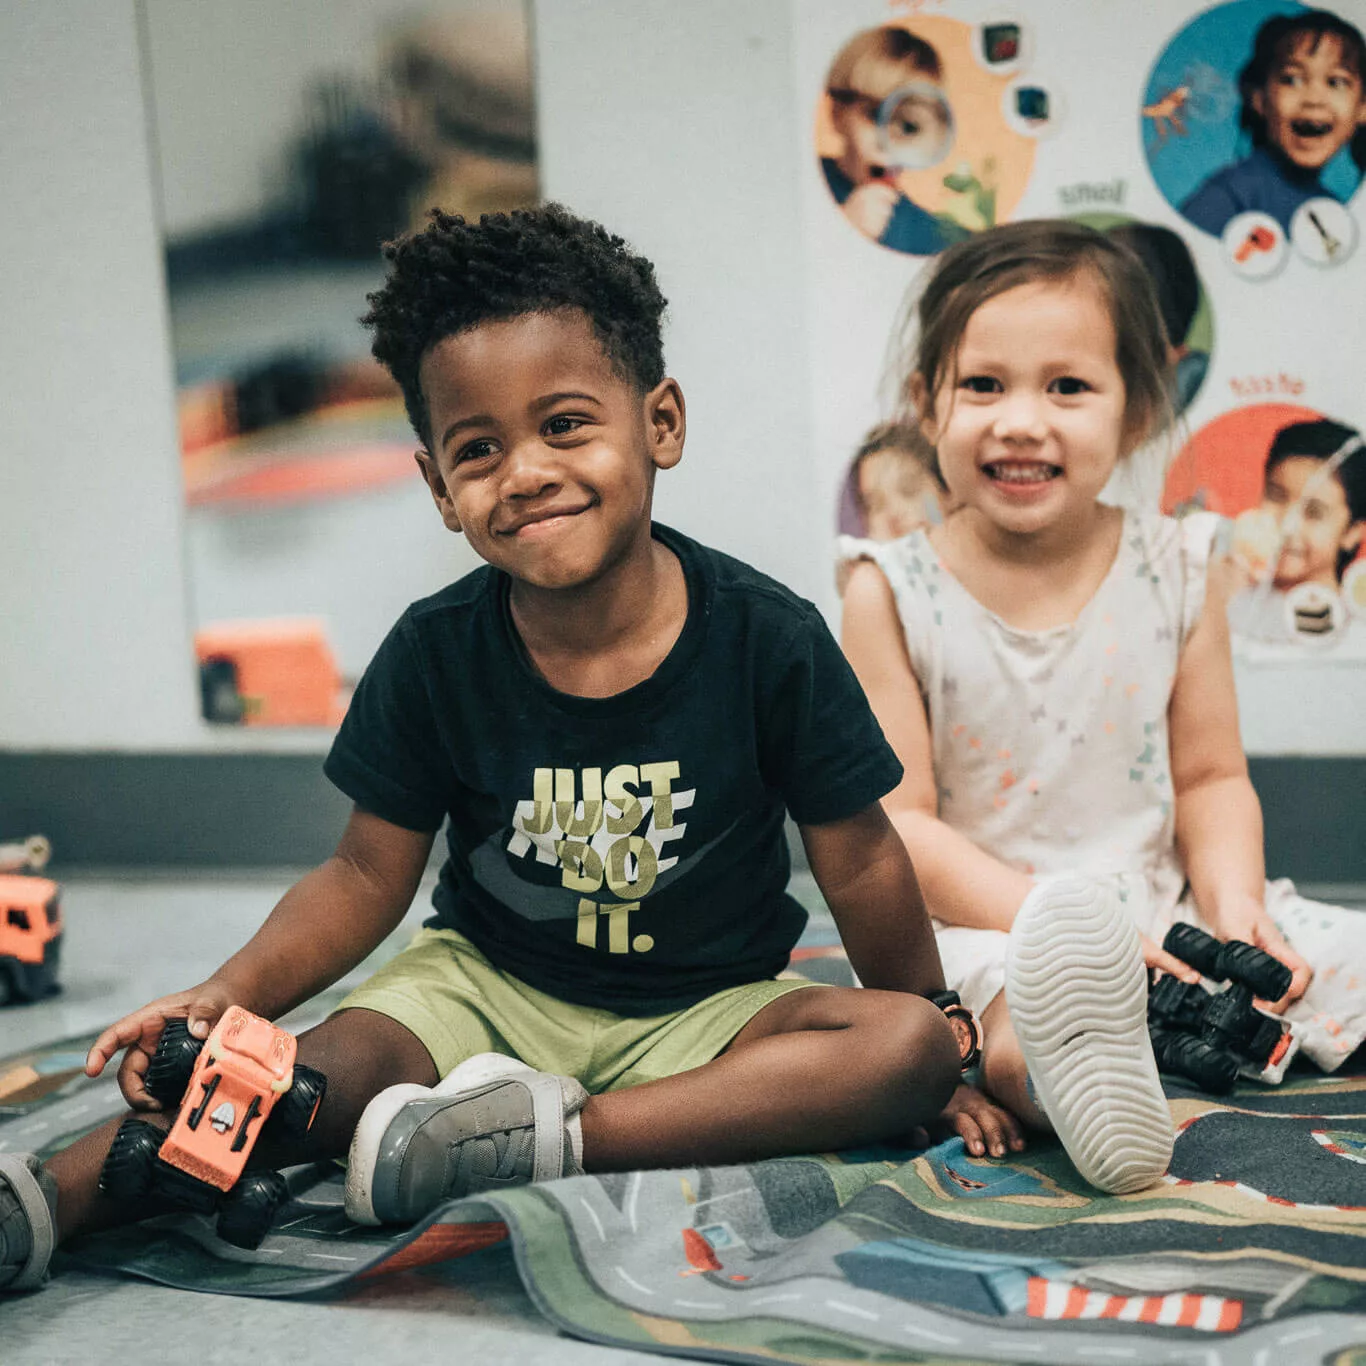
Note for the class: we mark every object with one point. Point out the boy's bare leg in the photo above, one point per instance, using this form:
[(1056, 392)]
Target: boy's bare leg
[(360, 1052), (820, 1068), (1005, 1078)]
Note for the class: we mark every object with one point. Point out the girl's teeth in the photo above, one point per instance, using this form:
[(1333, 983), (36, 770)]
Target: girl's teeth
[(1021, 474)]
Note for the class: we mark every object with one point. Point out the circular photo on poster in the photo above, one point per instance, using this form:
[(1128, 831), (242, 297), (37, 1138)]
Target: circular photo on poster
[(1257, 106), (912, 135), (1187, 315), (892, 486), (1293, 481)]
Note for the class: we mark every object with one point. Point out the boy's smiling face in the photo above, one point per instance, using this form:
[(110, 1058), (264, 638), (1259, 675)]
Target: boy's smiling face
[(1312, 102), (542, 453)]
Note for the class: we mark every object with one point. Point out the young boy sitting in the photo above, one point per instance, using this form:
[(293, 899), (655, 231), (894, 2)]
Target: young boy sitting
[(612, 720)]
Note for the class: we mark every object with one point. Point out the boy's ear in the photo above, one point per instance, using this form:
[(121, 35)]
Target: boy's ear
[(666, 424), (920, 400), (436, 484), (1258, 102), (1352, 540)]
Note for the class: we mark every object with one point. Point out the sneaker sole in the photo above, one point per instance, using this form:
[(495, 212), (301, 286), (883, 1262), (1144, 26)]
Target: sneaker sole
[(1077, 992), (383, 1108)]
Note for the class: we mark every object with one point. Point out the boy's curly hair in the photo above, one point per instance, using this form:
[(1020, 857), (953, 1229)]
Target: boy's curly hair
[(453, 275)]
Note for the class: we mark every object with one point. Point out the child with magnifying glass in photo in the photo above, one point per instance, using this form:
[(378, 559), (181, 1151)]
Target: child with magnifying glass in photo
[(888, 109)]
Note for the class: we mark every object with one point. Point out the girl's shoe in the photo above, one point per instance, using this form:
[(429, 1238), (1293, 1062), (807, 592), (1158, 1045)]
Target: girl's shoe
[(28, 1211), (491, 1123), (1077, 990)]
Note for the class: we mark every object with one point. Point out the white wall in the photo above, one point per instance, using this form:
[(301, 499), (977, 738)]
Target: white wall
[(674, 124), (94, 645)]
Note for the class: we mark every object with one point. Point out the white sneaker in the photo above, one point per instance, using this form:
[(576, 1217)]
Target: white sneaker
[(490, 1123), (1077, 990)]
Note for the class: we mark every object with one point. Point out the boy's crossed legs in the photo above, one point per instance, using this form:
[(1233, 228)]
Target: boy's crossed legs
[(812, 1068)]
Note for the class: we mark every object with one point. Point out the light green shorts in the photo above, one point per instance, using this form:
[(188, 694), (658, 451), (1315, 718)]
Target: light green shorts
[(457, 1003)]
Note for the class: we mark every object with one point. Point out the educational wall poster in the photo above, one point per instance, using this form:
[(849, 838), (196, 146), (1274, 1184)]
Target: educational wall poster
[(1225, 145)]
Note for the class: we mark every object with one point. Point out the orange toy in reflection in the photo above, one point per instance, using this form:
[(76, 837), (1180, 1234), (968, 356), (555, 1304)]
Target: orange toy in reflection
[(1261, 238), (269, 673)]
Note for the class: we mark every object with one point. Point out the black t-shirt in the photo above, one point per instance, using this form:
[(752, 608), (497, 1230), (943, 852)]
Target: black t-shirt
[(626, 852)]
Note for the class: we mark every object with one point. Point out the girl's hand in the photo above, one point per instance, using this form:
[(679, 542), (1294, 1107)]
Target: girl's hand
[(1244, 917), (1159, 960), (139, 1032), (984, 1126)]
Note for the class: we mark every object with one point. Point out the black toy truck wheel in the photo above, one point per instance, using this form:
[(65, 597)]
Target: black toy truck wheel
[(169, 1072), (249, 1208), (129, 1169), (292, 1116), (1184, 1055)]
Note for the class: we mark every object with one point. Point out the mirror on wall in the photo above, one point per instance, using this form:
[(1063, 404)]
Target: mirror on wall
[(291, 141)]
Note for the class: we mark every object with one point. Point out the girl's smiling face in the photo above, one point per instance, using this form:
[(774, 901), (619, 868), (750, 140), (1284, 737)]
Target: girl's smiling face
[(1313, 100), (1031, 421)]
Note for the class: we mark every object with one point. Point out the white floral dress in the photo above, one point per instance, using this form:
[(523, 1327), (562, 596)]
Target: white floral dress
[(1051, 752)]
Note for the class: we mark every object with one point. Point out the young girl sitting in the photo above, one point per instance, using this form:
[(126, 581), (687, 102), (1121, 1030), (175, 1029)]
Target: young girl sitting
[(1054, 674)]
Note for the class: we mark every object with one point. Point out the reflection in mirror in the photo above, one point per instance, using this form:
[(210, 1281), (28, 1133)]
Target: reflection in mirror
[(293, 140)]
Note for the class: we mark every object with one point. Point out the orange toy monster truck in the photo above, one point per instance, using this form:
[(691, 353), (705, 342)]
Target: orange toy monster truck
[(240, 1077), (30, 924)]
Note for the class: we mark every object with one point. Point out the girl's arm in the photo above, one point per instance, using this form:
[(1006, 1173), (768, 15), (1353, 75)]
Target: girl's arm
[(962, 884), (1218, 816)]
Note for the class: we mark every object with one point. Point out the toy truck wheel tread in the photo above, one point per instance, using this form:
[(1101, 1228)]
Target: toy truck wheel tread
[(168, 1074), (293, 1114), (250, 1207), (128, 1171)]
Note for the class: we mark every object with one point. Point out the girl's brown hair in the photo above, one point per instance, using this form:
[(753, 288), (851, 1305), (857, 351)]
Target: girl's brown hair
[(1052, 250)]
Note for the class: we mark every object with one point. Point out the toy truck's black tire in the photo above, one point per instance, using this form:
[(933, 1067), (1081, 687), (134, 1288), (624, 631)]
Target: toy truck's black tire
[(249, 1208), (293, 1114), (1184, 1055), (129, 1169), (169, 1072)]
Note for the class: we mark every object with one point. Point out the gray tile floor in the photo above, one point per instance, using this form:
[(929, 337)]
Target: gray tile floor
[(128, 941)]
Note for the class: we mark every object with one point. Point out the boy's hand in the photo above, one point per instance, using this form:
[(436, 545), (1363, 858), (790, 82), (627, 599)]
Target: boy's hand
[(1244, 917), (139, 1032), (984, 1126)]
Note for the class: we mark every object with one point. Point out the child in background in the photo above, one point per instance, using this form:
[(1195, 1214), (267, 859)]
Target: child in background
[(896, 487), (1308, 527), (613, 722), (871, 66), (1055, 675), (1171, 269), (892, 487), (1303, 100)]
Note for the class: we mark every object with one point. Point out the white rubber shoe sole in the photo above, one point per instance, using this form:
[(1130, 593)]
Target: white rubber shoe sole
[(1077, 991), (379, 1114)]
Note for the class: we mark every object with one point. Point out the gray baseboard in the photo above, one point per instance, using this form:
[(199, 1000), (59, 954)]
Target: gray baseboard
[(112, 811)]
